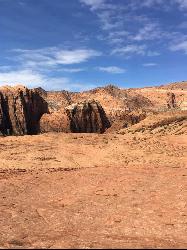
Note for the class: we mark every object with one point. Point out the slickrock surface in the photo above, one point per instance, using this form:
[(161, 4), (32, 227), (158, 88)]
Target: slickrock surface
[(20, 110), (93, 191)]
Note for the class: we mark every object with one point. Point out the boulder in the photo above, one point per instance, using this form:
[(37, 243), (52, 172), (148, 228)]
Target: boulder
[(20, 110)]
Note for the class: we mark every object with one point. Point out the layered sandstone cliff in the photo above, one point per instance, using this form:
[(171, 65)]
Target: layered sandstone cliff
[(20, 110), (91, 111), (87, 117), (82, 117)]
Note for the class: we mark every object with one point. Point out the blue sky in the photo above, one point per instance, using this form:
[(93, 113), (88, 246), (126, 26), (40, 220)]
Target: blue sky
[(81, 44)]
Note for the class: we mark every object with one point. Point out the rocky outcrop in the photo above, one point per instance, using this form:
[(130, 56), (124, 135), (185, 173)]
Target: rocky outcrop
[(20, 110), (55, 122), (171, 100), (126, 120), (87, 117), (168, 122), (82, 117)]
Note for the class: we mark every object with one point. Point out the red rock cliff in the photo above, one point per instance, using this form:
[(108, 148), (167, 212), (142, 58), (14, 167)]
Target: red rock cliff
[(20, 110)]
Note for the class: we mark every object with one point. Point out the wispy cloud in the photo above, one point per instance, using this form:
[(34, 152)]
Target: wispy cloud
[(72, 70), (148, 34), (29, 77), (75, 56), (19, 77), (112, 70), (162, 4), (181, 46), (34, 79), (149, 31), (150, 64), (130, 50), (182, 4), (37, 67), (153, 53), (53, 56), (93, 4)]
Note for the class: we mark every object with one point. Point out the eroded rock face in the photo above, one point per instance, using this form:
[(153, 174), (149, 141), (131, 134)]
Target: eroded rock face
[(20, 110), (171, 100), (126, 120), (87, 117), (83, 117), (57, 121)]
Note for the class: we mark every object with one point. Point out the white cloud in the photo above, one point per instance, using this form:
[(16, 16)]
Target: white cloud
[(94, 4), (150, 31), (182, 4), (21, 76), (182, 46), (75, 56), (153, 53), (72, 70), (116, 19), (53, 57), (150, 64), (112, 70), (34, 79), (110, 19), (34, 68), (164, 4), (130, 50)]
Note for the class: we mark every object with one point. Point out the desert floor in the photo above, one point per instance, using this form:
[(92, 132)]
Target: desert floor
[(93, 191)]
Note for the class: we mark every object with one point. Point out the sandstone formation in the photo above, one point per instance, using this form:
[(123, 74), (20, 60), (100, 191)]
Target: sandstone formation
[(83, 117), (169, 122), (171, 101), (20, 110), (118, 102), (55, 122), (87, 117), (127, 120)]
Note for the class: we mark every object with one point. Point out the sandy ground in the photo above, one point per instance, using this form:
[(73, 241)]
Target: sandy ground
[(93, 191)]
